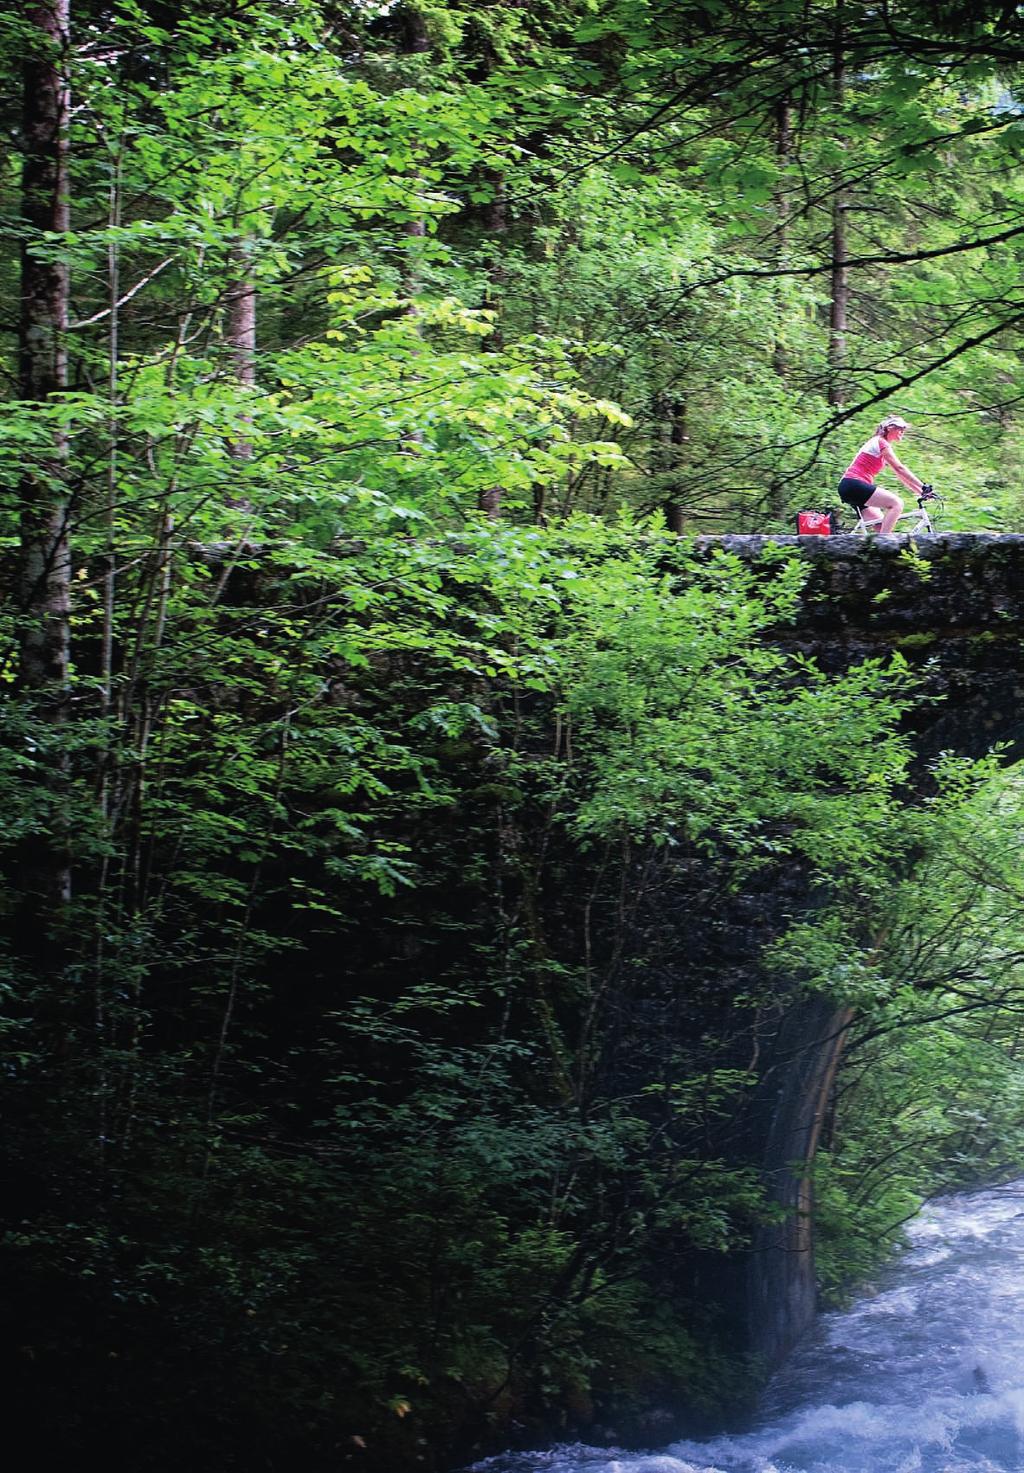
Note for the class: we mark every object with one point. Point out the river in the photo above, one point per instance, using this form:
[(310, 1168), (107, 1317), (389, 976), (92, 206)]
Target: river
[(926, 1375)]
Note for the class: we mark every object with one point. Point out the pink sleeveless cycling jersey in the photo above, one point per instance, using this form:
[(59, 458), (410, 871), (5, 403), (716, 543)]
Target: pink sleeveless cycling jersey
[(867, 462)]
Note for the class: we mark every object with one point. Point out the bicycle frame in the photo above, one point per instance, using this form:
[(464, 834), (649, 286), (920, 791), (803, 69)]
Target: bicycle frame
[(918, 519)]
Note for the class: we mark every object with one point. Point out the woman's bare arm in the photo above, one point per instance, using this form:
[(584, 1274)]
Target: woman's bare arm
[(907, 477)]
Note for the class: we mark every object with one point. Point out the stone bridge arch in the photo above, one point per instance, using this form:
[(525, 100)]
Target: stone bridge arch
[(953, 606)]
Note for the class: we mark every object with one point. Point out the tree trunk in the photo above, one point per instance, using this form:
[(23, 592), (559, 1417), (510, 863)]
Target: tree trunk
[(840, 286), (780, 358), (241, 329), (110, 510), (414, 230), (412, 35), (675, 515), (783, 157), (413, 40), (496, 225), (45, 581), (241, 300), (240, 336)]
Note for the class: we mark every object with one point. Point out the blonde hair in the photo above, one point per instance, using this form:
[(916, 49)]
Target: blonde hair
[(891, 422)]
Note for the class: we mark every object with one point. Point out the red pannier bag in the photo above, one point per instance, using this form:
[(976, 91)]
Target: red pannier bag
[(815, 523)]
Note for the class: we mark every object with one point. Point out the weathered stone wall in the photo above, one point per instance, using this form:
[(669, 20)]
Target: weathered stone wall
[(953, 606)]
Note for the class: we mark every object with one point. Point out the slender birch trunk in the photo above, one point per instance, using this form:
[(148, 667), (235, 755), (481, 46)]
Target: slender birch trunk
[(240, 335), (241, 327), (496, 225), (45, 582), (840, 286), (414, 40), (783, 157), (780, 357)]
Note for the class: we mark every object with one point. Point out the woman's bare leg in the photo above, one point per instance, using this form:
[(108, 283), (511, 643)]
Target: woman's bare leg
[(887, 505)]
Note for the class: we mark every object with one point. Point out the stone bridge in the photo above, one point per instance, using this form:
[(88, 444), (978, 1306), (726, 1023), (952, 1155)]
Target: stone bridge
[(953, 606)]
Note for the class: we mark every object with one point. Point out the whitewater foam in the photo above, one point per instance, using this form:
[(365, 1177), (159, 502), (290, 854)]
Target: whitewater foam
[(926, 1375)]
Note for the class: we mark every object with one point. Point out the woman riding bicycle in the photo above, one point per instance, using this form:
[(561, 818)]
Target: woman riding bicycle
[(880, 509)]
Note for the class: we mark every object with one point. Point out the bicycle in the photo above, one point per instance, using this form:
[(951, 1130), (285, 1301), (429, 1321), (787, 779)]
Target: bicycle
[(922, 518)]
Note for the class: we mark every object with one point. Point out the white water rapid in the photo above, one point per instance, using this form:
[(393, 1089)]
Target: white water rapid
[(925, 1376)]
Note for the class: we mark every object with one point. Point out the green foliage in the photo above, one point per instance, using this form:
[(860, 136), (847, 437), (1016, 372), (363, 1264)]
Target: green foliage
[(334, 950), (933, 1094), (393, 1068)]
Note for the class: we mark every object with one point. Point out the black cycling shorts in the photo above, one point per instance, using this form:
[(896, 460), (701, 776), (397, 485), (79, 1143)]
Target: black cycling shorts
[(855, 492)]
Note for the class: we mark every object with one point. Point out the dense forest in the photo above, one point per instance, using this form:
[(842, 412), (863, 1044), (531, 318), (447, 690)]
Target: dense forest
[(408, 837)]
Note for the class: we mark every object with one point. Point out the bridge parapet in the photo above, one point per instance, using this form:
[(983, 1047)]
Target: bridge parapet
[(951, 603)]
